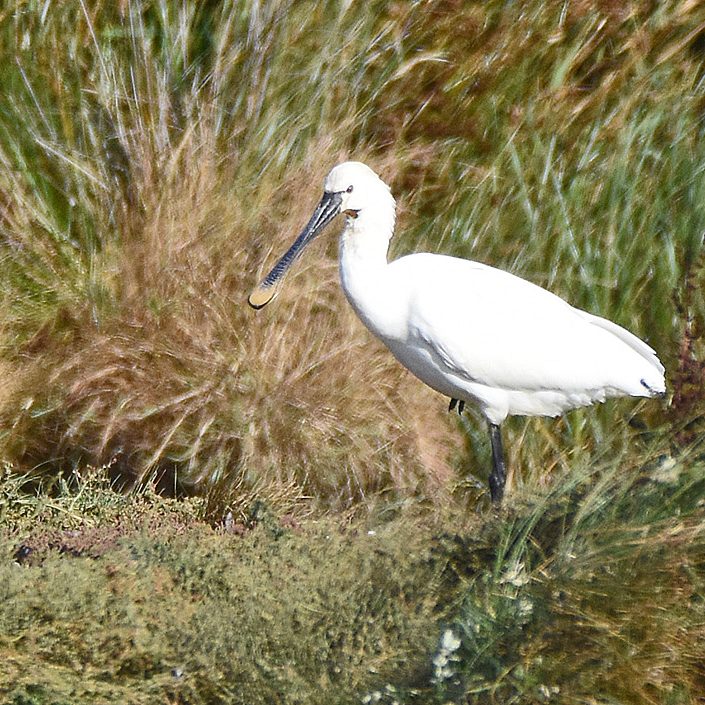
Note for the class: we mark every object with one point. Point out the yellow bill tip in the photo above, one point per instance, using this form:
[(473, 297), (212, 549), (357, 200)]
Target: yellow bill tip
[(261, 296)]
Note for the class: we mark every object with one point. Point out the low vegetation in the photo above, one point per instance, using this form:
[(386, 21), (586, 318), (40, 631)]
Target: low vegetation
[(299, 520), (591, 592)]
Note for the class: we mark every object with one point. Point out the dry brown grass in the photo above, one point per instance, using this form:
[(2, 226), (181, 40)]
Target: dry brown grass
[(184, 382), (145, 190)]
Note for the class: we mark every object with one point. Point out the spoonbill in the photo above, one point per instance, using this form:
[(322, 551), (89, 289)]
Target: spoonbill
[(474, 333)]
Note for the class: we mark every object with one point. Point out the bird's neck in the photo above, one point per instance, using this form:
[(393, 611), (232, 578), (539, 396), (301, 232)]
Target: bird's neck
[(366, 239), (363, 263)]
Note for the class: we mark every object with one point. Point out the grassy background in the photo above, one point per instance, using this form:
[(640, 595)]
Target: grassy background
[(176, 150), (156, 157)]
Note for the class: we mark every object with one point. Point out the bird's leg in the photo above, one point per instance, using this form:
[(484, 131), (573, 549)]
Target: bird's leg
[(460, 404), (498, 475)]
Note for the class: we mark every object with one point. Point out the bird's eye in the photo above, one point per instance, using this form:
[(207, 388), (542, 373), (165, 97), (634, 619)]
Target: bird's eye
[(349, 189)]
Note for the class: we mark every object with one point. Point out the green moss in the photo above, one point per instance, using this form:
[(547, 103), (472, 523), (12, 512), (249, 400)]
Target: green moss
[(210, 617), (595, 589)]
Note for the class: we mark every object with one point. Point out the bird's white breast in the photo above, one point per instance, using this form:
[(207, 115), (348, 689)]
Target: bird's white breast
[(483, 335)]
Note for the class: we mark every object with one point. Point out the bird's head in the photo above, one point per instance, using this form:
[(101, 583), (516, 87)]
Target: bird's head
[(357, 186), (351, 188)]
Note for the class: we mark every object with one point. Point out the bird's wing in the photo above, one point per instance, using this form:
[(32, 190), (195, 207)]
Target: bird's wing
[(637, 344), (488, 326)]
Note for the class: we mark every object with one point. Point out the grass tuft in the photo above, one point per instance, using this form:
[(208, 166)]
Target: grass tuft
[(593, 589), (178, 149)]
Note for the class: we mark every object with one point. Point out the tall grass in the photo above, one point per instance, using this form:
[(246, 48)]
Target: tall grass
[(157, 155), (590, 593), (144, 189)]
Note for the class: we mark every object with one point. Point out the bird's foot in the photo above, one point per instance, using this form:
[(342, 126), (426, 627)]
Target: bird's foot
[(456, 402), (496, 482)]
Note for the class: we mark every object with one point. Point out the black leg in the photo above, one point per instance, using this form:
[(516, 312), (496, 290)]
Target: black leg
[(460, 404), (498, 475)]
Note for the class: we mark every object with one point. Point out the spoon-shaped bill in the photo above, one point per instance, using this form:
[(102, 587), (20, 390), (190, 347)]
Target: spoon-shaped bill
[(326, 210)]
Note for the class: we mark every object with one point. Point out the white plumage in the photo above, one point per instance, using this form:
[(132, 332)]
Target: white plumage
[(471, 332)]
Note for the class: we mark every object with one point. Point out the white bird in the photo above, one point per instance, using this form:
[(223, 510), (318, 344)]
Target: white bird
[(471, 332)]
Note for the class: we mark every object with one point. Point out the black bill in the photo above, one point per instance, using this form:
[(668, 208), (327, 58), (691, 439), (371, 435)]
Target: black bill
[(326, 210)]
